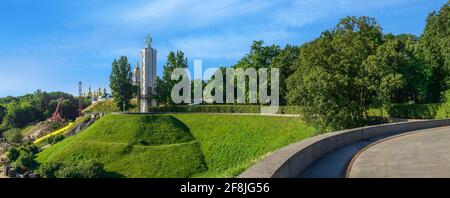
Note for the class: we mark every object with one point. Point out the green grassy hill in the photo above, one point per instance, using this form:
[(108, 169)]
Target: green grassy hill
[(179, 145)]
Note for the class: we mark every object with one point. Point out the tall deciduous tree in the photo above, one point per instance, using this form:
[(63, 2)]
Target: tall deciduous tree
[(2, 113), (436, 52), (259, 56), (120, 82), (331, 83), (164, 86), (285, 61)]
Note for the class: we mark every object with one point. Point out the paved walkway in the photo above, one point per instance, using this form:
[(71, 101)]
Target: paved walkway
[(424, 153)]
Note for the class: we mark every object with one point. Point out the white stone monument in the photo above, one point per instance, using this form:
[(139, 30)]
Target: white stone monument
[(147, 76)]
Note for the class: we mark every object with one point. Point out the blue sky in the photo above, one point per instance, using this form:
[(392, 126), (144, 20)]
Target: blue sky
[(53, 44)]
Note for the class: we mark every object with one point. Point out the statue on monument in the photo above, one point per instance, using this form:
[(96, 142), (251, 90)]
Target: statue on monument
[(148, 41)]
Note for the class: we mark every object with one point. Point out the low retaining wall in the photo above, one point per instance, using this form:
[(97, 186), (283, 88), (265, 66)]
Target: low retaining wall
[(291, 160)]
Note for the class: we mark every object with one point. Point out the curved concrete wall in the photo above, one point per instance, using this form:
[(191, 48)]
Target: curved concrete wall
[(291, 160)]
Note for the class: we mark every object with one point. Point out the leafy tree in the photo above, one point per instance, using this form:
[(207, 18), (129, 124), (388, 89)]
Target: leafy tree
[(435, 45), (82, 169), (197, 83), (23, 110), (13, 135), (2, 113), (48, 170), (413, 71), (120, 82), (384, 70), (163, 91), (54, 139), (285, 61), (164, 86), (331, 83), (19, 115), (25, 162), (12, 154), (259, 56), (45, 104), (29, 148)]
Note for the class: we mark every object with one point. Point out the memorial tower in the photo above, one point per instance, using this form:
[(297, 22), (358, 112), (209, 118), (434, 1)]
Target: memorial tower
[(147, 76)]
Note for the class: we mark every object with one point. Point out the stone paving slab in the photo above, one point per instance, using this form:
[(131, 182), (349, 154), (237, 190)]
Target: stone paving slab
[(424, 154)]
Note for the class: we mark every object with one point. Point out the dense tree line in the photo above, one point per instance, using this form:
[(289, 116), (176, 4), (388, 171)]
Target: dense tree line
[(354, 66), (17, 112)]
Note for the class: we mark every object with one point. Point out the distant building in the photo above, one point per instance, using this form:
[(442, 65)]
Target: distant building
[(136, 75)]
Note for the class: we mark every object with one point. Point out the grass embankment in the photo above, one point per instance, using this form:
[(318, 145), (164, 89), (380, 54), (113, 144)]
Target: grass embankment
[(232, 143), (181, 145), (133, 146)]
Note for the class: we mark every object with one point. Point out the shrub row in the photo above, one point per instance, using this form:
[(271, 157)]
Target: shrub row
[(413, 111), (223, 109), (82, 169)]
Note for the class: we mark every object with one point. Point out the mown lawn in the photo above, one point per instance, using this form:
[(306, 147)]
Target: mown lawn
[(179, 145), (232, 143)]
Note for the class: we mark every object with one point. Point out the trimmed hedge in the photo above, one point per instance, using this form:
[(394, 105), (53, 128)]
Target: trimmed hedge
[(223, 109), (414, 111)]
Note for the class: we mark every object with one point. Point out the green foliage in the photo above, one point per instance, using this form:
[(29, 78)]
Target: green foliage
[(120, 82), (412, 69), (2, 113), (435, 48), (25, 162), (179, 145), (396, 74), (54, 139), (107, 106), (332, 84), (19, 114), (81, 169), (285, 61), (164, 86), (29, 148), (31, 108), (48, 170), (444, 109), (413, 111), (223, 109), (13, 153), (208, 108), (259, 56), (13, 135), (162, 90)]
